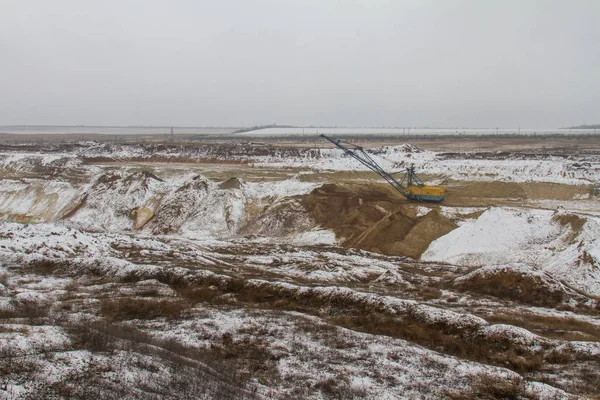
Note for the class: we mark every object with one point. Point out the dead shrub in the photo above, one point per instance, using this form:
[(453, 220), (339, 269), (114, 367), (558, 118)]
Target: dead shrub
[(331, 386), (235, 285), (35, 312), (200, 294), (77, 384), (440, 336), (338, 387), (406, 329), (564, 307), (127, 308), (248, 354), (553, 327), (515, 286), (555, 356), (43, 267), (487, 386), (520, 362), (72, 286), (430, 293), (149, 292), (92, 336)]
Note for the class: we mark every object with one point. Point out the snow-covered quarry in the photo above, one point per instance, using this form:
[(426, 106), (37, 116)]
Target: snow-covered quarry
[(264, 271)]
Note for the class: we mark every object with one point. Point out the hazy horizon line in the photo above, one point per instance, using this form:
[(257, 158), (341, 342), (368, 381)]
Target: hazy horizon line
[(278, 126)]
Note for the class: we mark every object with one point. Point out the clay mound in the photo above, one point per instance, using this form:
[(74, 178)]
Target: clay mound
[(348, 210), (426, 230), (572, 221), (141, 216), (113, 200), (383, 235), (371, 218), (178, 206), (514, 282), (231, 183), (279, 220)]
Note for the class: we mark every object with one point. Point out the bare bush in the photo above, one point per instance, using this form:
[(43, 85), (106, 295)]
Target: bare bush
[(554, 327), (35, 312), (138, 308), (430, 293), (199, 294), (92, 336), (44, 266), (485, 386)]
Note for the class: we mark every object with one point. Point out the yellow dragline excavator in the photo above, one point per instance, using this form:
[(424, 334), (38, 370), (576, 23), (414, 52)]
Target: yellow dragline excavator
[(414, 189)]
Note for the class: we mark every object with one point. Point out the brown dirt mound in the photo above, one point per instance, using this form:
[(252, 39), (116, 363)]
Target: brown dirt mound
[(374, 218), (278, 220), (426, 230), (178, 206), (231, 183), (388, 231), (141, 216), (572, 221), (349, 210)]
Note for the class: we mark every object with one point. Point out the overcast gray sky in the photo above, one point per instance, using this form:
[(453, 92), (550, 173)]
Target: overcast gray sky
[(441, 63)]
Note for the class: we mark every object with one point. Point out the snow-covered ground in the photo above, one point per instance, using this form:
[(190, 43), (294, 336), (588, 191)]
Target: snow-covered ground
[(305, 353), (270, 298), (533, 237)]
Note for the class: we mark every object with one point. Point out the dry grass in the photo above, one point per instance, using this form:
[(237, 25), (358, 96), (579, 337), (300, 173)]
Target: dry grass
[(219, 372), (430, 292), (515, 286), (199, 294), (487, 386), (36, 313), (442, 340), (125, 308), (443, 337), (43, 267), (553, 327)]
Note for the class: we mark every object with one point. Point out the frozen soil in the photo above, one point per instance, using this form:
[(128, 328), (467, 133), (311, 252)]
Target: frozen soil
[(223, 272)]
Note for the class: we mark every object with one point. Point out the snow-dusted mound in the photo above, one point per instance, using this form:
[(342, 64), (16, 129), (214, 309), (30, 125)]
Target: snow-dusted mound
[(567, 247), (132, 199)]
